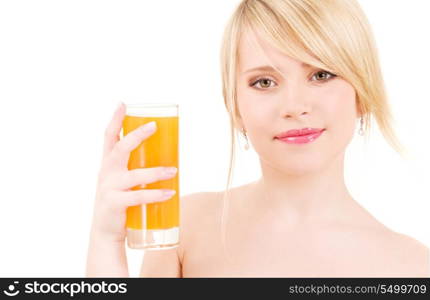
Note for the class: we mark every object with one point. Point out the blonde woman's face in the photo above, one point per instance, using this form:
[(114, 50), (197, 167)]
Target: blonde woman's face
[(270, 103)]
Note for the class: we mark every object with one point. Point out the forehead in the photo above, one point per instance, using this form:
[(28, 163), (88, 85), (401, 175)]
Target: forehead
[(255, 51)]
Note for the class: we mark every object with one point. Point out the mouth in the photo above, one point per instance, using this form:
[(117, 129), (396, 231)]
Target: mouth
[(300, 136)]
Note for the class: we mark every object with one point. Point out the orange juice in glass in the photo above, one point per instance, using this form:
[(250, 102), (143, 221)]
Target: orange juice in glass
[(154, 225)]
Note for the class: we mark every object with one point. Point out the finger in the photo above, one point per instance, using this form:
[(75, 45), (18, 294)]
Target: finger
[(113, 130), (121, 150), (145, 196), (143, 176)]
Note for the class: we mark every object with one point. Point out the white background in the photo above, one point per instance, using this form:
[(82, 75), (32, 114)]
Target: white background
[(65, 64)]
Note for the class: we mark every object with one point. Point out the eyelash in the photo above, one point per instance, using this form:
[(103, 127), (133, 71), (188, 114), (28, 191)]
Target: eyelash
[(261, 78)]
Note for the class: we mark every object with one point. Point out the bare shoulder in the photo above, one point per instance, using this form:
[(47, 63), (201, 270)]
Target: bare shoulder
[(197, 211), (390, 250), (200, 216), (414, 251), (411, 255), (198, 208), (196, 204)]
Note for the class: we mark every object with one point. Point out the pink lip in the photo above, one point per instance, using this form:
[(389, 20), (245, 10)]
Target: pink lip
[(300, 136), (298, 132)]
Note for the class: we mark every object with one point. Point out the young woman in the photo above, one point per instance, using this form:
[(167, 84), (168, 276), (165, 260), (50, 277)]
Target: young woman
[(289, 67)]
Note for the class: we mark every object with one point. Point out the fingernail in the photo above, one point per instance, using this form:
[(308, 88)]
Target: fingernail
[(119, 105), (148, 127), (168, 193), (170, 170)]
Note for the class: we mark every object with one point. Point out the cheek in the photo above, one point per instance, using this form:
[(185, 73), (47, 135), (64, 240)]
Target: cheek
[(254, 110), (340, 109)]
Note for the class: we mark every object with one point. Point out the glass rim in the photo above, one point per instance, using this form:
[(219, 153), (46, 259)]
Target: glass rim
[(151, 104)]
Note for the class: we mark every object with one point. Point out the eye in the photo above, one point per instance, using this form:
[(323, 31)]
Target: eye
[(323, 77), (263, 82)]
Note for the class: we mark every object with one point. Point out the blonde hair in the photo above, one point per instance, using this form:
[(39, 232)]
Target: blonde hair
[(333, 35)]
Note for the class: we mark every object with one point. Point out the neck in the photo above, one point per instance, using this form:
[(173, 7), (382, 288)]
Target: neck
[(303, 197)]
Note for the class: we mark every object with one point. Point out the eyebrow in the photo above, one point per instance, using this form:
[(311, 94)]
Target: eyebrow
[(270, 68)]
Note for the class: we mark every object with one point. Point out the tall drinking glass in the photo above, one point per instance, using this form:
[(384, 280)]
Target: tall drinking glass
[(154, 225)]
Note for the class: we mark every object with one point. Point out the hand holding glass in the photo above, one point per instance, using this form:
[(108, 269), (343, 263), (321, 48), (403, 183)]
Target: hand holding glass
[(154, 225)]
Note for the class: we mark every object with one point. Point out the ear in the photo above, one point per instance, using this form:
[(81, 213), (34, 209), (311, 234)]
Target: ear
[(358, 109), (239, 123)]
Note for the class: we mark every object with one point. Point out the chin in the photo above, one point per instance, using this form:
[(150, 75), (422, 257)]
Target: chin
[(298, 167)]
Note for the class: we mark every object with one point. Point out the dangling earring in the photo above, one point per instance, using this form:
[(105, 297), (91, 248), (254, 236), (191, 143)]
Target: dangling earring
[(246, 138), (361, 130)]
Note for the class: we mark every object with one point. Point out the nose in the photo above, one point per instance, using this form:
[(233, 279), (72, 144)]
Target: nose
[(294, 102)]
